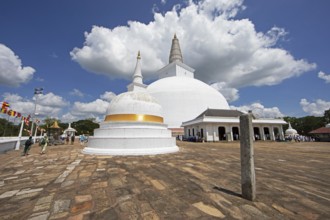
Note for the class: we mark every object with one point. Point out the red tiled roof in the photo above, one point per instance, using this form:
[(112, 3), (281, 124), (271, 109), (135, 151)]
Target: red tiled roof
[(323, 130)]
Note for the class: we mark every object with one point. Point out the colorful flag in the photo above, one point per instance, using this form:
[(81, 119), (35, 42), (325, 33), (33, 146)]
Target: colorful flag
[(11, 112), (5, 105), (4, 110)]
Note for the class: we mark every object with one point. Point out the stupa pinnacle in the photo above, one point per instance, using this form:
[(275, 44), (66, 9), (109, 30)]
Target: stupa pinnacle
[(175, 53), (137, 82)]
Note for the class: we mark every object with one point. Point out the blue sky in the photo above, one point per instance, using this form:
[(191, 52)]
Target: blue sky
[(268, 56)]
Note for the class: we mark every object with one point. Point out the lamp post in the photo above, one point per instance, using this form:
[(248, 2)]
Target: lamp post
[(37, 91)]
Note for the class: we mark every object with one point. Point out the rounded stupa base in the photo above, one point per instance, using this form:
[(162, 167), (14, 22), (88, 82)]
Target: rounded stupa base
[(131, 146)]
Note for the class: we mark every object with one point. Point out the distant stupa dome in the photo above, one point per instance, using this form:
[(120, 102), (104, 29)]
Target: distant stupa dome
[(290, 131), (181, 95)]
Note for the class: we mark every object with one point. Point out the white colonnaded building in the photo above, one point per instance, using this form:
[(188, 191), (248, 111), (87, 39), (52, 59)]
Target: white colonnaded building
[(198, 111), (133, 124)]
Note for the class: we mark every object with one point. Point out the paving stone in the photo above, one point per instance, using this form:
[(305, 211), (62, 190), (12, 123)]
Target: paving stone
[(210, 210), (8, 194), (97, 185), (61, 215), (83, 206), (157, 184), (28, 191), (11, 178), (67, 183), (39, 216), (254, 212), (42, 207), (82, 198), (80, 216), (61, 206)]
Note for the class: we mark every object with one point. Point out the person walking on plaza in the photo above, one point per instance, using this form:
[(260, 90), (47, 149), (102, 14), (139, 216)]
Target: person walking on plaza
[(27, 146), (43, 144)]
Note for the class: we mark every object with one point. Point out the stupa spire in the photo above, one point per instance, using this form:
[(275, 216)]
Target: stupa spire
[(175, 53), (137, 76), (137, 83)]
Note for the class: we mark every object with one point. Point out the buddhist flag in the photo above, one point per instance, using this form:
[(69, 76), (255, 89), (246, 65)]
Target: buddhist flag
[(11, 113), (5, 105), (4, 110)]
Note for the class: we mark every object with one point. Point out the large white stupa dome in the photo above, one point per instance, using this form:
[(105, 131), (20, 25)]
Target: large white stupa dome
[(184, 98), (181, 95)]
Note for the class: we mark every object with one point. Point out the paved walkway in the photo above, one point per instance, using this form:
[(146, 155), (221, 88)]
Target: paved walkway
[(202, 181)]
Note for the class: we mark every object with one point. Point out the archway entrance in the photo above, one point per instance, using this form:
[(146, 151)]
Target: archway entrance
[(222, 133), (256, 132), (235, 131), (267, 133)]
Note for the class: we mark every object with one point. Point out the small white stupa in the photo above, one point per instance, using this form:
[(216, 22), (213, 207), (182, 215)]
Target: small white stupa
[(133, 124), (290, 132)]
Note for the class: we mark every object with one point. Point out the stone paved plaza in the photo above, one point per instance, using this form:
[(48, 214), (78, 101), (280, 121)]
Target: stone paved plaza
[(202, 181)]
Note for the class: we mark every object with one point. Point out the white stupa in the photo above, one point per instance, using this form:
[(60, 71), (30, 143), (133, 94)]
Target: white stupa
[(133, 124), (290, 132), (182, 96)]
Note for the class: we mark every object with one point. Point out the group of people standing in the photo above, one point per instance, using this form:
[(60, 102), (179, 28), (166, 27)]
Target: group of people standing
[(43, 143)]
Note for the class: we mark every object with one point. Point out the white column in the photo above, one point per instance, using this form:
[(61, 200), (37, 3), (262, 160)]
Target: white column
[(272, 134), (18, 143), (262, 133), (281, 132)]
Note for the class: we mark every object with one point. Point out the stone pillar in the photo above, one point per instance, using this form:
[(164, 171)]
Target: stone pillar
[(248, 181)]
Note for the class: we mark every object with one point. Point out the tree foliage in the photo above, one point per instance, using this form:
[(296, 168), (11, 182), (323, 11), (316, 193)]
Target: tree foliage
[(86, 126), (304, 125)]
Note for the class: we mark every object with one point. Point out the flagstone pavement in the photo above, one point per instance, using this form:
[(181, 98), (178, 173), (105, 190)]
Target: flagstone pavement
[(202, 181)]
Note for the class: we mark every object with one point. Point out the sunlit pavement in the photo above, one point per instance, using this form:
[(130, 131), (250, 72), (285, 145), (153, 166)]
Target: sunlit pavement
[(202, 181)]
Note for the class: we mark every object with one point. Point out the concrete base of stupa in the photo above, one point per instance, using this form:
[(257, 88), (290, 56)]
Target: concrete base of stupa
[(131, 138)]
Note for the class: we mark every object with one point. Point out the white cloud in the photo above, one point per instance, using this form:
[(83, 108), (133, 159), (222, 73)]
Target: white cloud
[(220, 47), (260, 111), (48, 105), (76, 92), (322, 75), (315, 108), (12, 73), (108, 96), (231, 94), (97, 107)]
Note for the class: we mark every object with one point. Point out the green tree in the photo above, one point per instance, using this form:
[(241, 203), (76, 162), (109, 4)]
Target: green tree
[(327, 116), (85, 126)]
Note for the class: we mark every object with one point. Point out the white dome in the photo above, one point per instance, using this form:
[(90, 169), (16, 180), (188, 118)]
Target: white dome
[(290, 131), (184, 98), (134, 103)]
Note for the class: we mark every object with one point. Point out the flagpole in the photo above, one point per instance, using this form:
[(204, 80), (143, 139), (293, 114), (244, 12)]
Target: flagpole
[(35, 133), (18, 143), (37, 91)]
